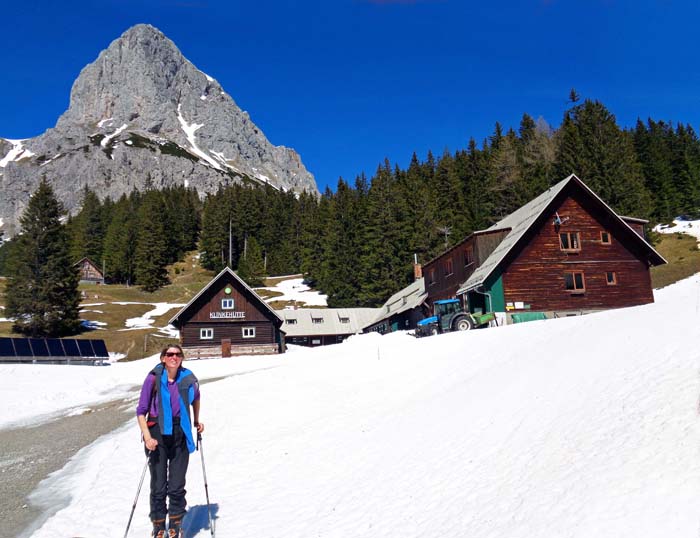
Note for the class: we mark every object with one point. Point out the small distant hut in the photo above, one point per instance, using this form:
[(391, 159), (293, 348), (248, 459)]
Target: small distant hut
[(228, 318), (89, 272)]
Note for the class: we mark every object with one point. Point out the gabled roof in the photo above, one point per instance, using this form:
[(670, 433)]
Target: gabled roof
[(225, 271), (326, 321), (520, 221), (410, 297), (81, 260)]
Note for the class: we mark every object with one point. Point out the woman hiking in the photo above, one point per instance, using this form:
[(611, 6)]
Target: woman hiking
[(163, 414)]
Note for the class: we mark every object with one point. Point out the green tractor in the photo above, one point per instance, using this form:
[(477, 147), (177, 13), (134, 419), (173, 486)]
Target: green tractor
[(450, 316)]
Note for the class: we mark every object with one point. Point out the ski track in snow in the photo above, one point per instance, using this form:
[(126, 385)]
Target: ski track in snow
[(576, 427)]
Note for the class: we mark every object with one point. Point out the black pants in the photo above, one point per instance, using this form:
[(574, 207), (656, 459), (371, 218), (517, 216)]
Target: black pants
[(168, 466)]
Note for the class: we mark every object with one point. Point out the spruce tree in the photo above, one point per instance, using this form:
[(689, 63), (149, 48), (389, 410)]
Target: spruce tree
[(42, 286), (120, 241), (87, 229), (151, 256), (251, 266)]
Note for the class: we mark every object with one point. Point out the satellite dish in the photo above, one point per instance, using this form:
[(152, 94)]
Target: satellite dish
[(558, 221)]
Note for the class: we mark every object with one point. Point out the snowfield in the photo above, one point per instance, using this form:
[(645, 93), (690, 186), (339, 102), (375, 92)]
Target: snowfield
[(577, 427)]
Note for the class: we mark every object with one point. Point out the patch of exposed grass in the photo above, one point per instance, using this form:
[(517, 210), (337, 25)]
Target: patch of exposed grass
[(683, 257), (268, 294), (187, 279), (272, 281)]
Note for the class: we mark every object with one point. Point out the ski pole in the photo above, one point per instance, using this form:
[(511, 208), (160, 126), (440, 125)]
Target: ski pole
[(133, 507), (206, 486)]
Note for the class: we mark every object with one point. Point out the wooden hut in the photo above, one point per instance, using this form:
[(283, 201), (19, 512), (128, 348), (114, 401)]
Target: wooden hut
[(564, 253), (89, 272), (228, 318)]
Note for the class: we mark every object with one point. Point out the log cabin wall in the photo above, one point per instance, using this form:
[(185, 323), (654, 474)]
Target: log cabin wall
[(446, 273), (612, 274), (208, 312)]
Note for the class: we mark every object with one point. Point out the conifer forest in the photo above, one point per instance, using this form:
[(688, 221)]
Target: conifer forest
[(357, 243)]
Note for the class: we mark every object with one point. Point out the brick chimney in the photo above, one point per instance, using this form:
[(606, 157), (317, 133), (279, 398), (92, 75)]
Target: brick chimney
[(417, 268)]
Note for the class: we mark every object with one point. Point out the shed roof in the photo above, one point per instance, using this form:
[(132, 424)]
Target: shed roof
[(325, 321), (408, 298), (225, 271), (523, 218)]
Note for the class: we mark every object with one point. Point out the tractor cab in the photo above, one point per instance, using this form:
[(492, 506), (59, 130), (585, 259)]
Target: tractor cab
[(449, 315)]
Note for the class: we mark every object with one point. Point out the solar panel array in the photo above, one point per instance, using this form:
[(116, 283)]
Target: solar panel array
[(52, 348)]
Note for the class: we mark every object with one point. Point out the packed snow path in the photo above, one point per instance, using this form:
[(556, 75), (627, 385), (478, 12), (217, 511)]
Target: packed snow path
[(576, 427)]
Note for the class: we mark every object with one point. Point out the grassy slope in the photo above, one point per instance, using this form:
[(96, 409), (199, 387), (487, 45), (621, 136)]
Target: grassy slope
[(187, 278), (683, 257)]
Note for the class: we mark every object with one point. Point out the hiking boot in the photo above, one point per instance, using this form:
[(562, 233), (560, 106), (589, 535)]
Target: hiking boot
[(158, 528), (175, 526)]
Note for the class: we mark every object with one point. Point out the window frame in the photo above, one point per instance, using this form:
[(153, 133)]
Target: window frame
[(605, 233), (569, 235), (449, 267), (226, 299), (248, 330), (575, 290), (468, 255), (614, 278), (431, 276), (204, 331)]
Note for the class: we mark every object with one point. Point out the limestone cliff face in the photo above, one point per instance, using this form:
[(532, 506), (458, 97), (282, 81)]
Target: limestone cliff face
[(142, 115)]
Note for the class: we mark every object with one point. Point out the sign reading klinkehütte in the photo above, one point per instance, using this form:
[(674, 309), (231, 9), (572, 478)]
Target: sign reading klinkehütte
[(226, 315)]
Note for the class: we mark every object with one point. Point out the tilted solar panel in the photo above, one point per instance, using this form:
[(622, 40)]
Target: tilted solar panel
[(71, 348), (100, 348), (85, 348), (22, 348), (6, 347), (55, 347), (39, 347)]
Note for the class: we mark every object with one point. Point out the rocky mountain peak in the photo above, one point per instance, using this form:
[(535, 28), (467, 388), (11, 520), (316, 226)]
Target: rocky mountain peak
[(142, 114)]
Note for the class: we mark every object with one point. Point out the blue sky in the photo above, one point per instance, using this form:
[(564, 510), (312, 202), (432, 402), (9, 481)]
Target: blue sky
[(347, 83)]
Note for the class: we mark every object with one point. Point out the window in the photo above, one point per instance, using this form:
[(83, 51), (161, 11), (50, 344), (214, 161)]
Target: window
[(468, 255), (605, 238), (611, 278), (206, 334), (291, 321), (448, 266), (316, 320), (569, 242), (248, 332), (575, 282), (226, 304), (431, 277)]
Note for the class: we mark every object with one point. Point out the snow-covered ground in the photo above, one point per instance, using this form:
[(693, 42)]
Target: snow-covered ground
[(690, 227), (146, 321), (294, 289), (575, 427)]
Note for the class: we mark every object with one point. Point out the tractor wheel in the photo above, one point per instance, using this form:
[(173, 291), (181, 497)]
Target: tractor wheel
[(434, 331), (463, 324)]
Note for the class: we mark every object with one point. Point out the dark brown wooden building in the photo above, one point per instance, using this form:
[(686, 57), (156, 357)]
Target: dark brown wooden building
[(89, 272), (565, 252), (228, 318)]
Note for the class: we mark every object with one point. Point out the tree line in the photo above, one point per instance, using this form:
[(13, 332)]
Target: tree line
[(357, 243)]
